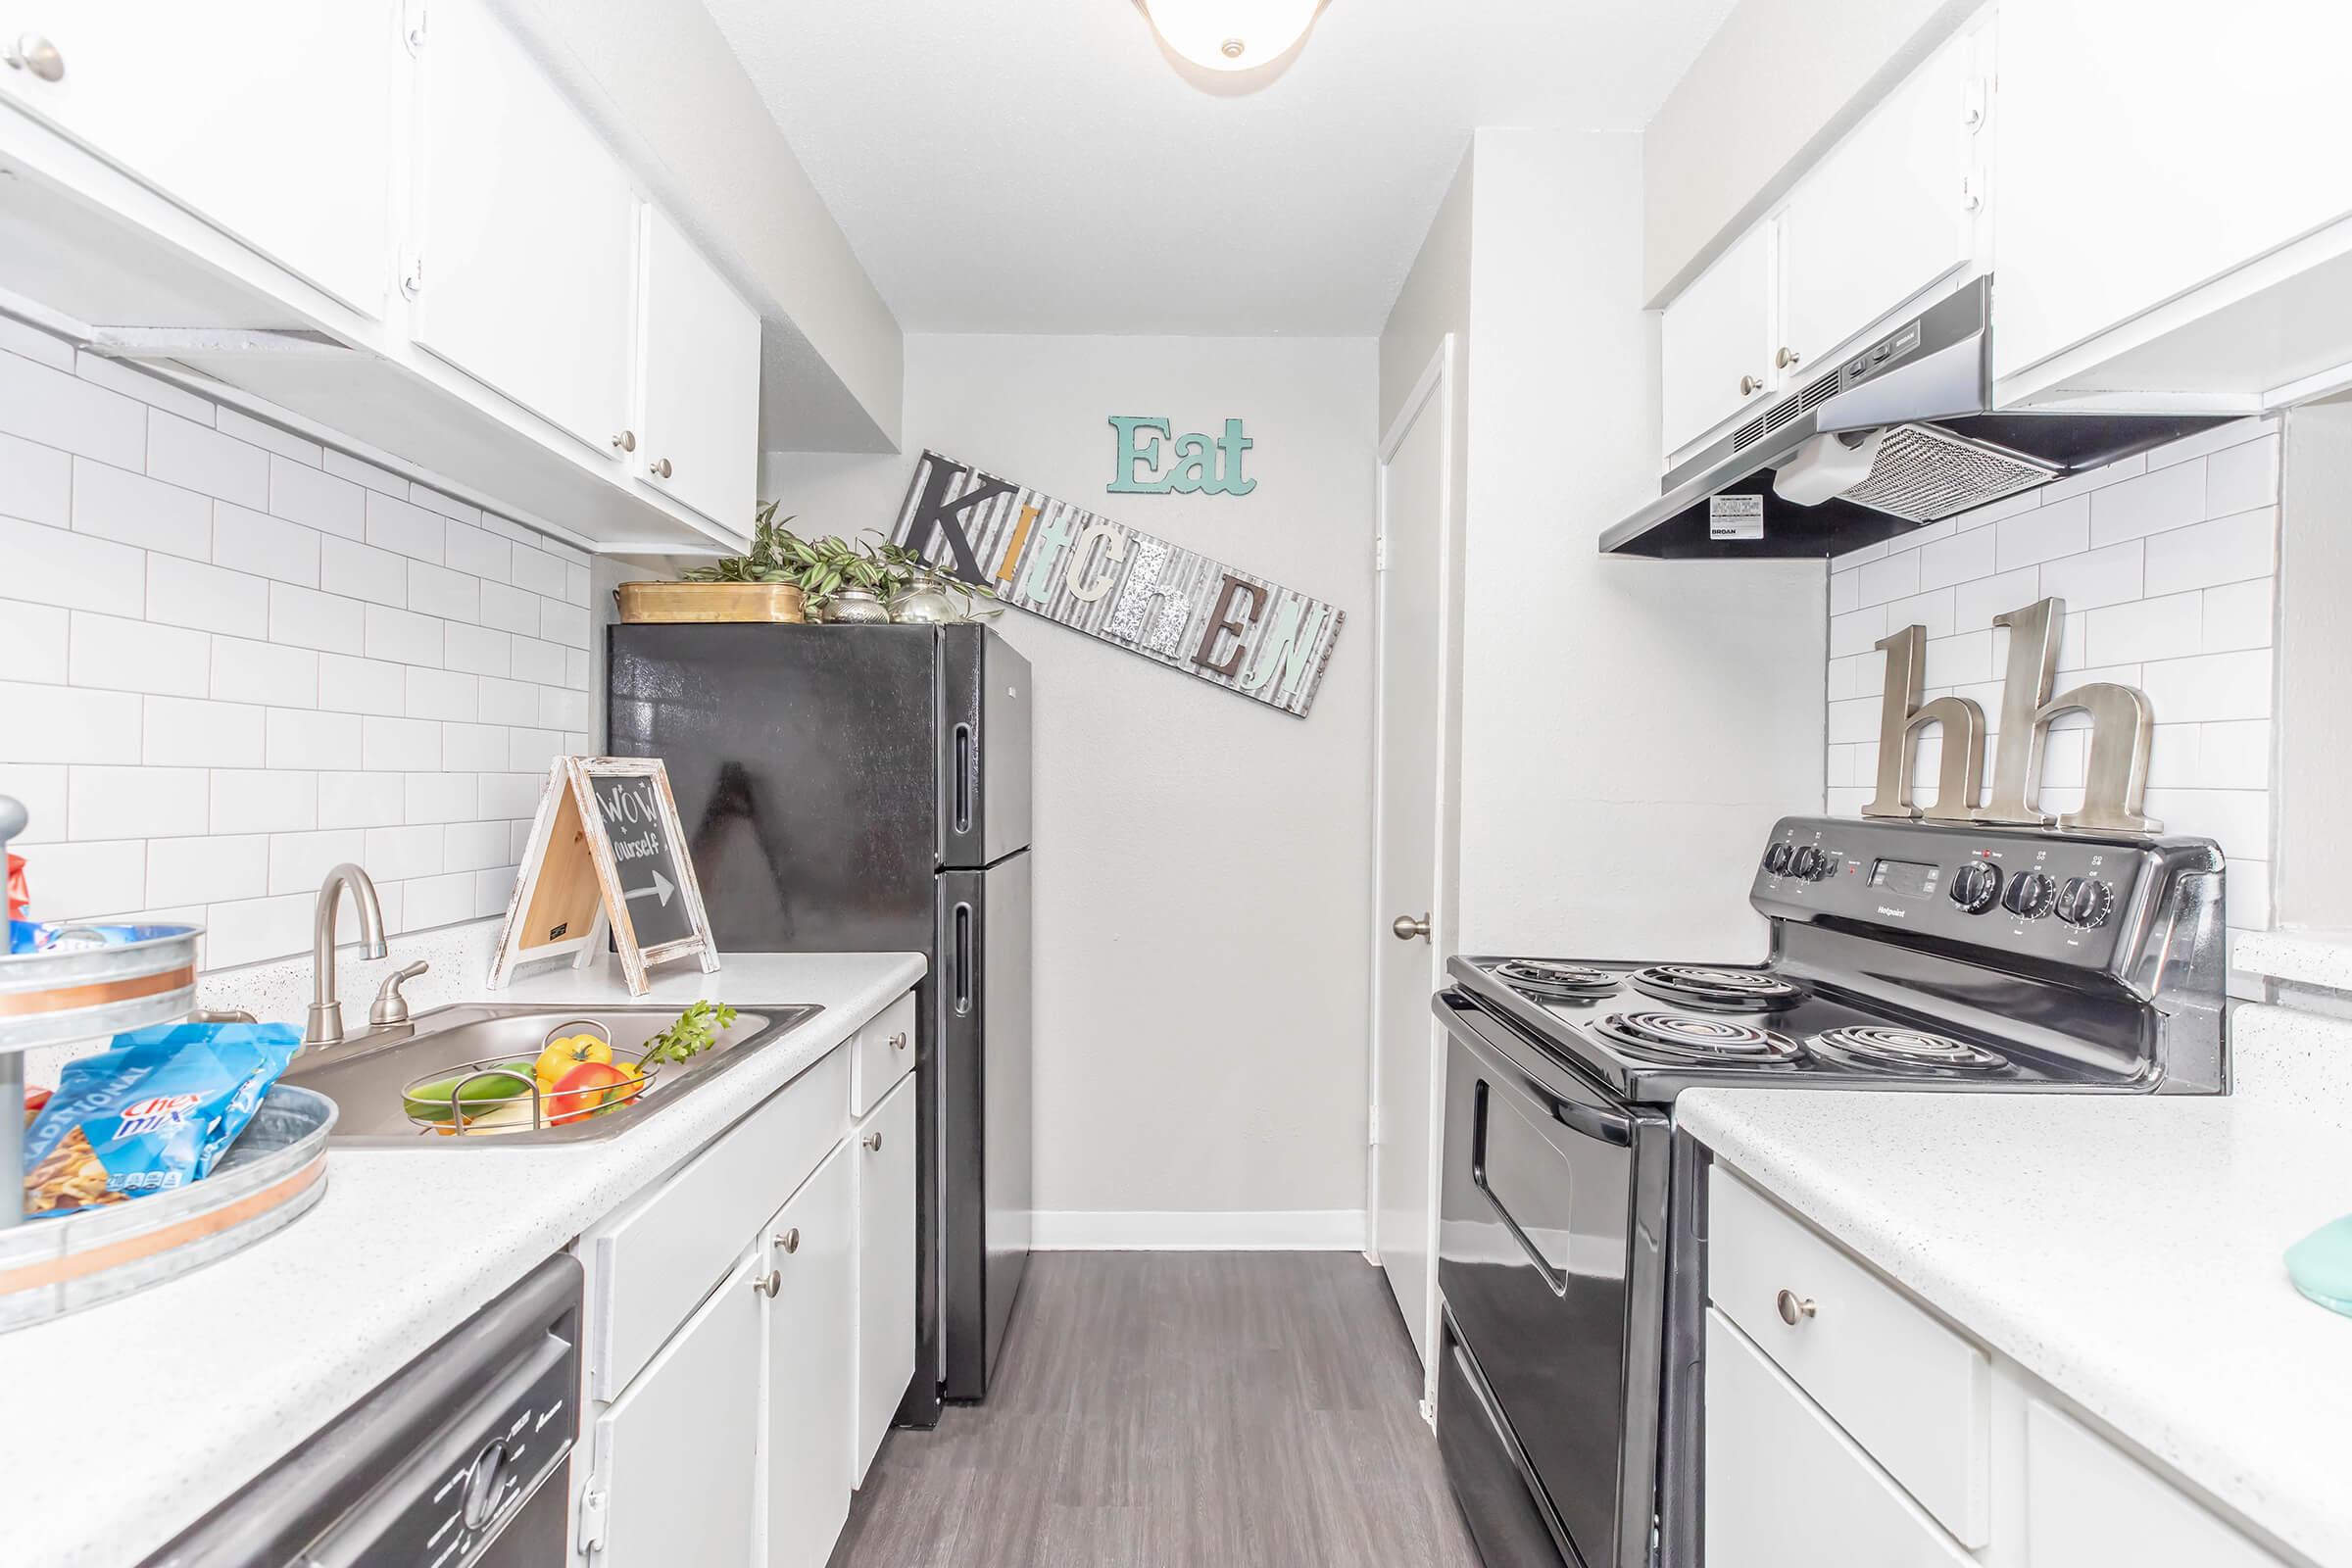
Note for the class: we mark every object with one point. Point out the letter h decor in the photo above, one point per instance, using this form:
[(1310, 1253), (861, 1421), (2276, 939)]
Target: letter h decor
[(2122, 731)]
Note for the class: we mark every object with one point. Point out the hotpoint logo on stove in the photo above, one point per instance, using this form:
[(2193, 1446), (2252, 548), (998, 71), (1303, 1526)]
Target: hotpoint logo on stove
[(1891, 915)]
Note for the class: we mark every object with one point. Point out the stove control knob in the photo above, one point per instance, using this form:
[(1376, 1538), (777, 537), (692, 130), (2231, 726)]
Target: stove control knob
[(2030, 895), (1977, 886), (1805, 863), (2086, 901), (1825, 867), (1775, 858)]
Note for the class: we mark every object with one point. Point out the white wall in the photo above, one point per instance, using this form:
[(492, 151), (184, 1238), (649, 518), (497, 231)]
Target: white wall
[(1631, 728), (1202, 909), (2167, 563), (2313, 886), (230, 658)]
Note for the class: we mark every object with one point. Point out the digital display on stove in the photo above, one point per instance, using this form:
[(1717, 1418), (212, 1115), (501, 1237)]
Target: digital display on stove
[(1905, 876)]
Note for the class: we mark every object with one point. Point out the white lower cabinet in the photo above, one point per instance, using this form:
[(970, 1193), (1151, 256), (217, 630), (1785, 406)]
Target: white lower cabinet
[(884, 1150), (674, 1478), (1847, 1423), (805, 1393)]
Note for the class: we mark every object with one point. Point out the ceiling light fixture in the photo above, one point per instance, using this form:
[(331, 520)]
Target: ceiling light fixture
[(1231, 35)]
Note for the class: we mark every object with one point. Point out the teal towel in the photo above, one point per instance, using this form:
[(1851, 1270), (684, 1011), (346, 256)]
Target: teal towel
[(2321, 1265)]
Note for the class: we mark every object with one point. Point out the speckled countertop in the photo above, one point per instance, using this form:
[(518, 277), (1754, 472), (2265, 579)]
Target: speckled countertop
[(122, 1425), (2124, 1249)]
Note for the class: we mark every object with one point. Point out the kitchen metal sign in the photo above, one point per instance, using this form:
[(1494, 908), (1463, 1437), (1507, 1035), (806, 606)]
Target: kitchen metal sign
[(1129, 588)]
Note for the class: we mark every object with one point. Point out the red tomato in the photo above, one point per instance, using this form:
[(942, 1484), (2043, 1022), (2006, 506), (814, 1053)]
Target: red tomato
[(582, 1089)]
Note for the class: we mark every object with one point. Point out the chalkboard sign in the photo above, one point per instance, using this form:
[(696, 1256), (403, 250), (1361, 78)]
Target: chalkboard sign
[(604, 854)]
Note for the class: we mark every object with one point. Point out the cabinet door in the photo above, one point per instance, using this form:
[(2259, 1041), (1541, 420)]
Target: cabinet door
[(884, 1148), (526, 232), (1715, 340), (2145, 147), (1884, 215), (675, 1453), (273, 122), (1787, 1489), (805, 1465), (2085, 1502), (700, 350)]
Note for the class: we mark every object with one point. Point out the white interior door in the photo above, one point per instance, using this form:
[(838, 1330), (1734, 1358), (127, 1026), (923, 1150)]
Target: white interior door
[(1409, 802)]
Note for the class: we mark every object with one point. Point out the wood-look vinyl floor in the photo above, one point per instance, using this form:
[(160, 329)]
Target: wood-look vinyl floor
[(1177, 1410)]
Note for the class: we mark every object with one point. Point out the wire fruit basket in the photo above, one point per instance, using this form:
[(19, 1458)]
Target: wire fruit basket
[(474, 1099)]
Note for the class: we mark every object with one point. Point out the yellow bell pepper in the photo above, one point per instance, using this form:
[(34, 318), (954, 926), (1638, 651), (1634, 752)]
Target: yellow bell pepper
[(561, 1055)]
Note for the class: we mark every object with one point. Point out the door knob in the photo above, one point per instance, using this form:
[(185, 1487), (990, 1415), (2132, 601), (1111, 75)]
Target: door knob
[(626, 440), (769, 1283), (872, 1142), (661, 468), (1784, 355), (1751, 385), (897, 1042), (37, 54), (1407, 928), (1793, 1308), (789, 1240)]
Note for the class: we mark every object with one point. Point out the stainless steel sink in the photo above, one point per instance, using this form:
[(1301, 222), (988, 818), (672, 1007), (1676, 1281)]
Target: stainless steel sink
[(365, 1075)]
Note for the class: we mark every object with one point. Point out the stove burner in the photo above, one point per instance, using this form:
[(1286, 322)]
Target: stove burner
[(1715, 1041), (1873, 1047), (1741, 990), (1539, 979)]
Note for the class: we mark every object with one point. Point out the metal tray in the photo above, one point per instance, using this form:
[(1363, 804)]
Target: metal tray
[(88, 992), (274, 1171)]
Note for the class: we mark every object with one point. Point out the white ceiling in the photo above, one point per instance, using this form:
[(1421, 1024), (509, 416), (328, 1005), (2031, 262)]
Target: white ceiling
[(1041, 166)]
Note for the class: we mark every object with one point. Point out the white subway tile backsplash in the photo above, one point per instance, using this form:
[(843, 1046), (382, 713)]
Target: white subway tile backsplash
[(433, 500), (538, 571), (71, 881), (43, 404), (53, 567), (474, 748), (265, 546), (403, 637), (2235, 755), (544, 663), (1950, 661), (36, 640), (2248, 894), (575, 579), (185, 732), (2212, 686), (2230, 816), (2095, 577), (404, 527), (1845, 596), (2144, 628), (1857, 631), (300, 862), (21, 338), (295, 739), (362, 800), (531, 749), (257, 800), (2238, 614), (134, 382), (439, 900), (2229, 548), (440, 798), (1975, 603), (197, 457), (133, 656), (473, 846), (316, 500), (401, 745), (270, 673), (366, 474), (493, 891), (1962, 558), (362, 571), (397, 854), (1876, 582), (477, 650), (510, 609), (441, 694), (508, 701), (2243, 477), (62, 725), (438, 591), (304, 618), (510, 794), (2050, 530), (576, 668), (2171, 497), (349, 685), (133, 510), (2174, 756), (203, 869), (1933, 610), (189, 593), (269, 437), (478, 552), (36, 483), (245, 930), (563, 708), (136, 803)]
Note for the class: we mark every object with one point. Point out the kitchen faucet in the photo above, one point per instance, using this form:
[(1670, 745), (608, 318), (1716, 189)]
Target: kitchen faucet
[(326, 1011)]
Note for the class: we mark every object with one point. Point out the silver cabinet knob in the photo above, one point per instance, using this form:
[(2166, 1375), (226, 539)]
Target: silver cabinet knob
[(37, 54), (626, 440), (769, 1283), (1749, 386), (873, 1143), (1407, 928), (661, 468), (789, 1240), (897, 1042), (1783, 356), (1793, 1308)]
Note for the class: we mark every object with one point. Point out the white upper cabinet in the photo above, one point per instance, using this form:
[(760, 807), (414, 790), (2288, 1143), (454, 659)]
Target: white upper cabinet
[(526, 232), (699, 409), (2176, 211), (273, 122), (1886, 215), (1715, 342)]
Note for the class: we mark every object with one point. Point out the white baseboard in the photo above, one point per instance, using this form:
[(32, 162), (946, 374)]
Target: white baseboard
[(1289, 1230)]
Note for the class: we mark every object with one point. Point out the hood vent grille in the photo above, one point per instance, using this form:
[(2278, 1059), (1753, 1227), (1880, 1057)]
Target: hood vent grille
[(1788, 409), (1922, 474)]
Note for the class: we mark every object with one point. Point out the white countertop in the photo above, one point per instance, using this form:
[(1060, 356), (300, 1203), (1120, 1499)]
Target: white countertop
[(124, 1424), (2126, 1250)]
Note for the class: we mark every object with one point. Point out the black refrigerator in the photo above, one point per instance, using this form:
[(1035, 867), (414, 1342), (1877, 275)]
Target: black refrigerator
[(866, 788)]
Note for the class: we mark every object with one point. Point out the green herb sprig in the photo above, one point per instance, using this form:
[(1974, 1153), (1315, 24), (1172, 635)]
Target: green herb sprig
[(697, 1029)]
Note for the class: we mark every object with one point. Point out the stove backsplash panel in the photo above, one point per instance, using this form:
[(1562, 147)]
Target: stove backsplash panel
[(2168, 565)]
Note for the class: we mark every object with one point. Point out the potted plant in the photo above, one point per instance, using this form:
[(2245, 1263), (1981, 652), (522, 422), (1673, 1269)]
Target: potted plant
[(755, 585), (826, 577)]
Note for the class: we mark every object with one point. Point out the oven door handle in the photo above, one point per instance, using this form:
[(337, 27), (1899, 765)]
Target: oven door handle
[(1484, 1035)]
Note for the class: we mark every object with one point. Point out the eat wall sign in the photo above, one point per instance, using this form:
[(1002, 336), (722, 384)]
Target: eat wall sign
[(1152, 461)]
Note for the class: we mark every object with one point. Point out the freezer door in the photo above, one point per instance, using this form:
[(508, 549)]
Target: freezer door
[(983, 1053), (983, 748)]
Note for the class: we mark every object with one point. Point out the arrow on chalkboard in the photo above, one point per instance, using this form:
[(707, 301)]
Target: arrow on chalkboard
[(661, 889)]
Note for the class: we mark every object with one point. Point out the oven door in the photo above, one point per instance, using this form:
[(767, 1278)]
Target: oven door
[(1552, 1261)]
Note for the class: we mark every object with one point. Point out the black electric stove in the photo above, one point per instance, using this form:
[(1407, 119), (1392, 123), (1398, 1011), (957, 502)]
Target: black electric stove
[(1572, 1234)]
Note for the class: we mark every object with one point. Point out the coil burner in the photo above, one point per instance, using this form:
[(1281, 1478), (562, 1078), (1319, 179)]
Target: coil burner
[(1539, 979), (1713, 1042), (1870, 1046), (1693, 985)]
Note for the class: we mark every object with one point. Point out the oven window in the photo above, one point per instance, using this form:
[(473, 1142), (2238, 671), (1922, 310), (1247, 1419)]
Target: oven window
[(1518, 1167)]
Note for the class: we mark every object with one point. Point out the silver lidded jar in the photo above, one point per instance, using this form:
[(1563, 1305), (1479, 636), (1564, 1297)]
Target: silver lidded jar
[(925, 601), (854, 607)]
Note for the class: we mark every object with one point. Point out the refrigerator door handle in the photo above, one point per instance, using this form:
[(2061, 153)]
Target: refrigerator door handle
[(963, 778), (964, 959)]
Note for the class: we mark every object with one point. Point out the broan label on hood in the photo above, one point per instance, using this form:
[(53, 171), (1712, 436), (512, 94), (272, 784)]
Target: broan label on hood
[(1735, 516)]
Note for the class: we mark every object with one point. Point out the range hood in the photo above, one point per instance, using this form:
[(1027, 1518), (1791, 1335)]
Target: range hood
[(1900, 435)]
